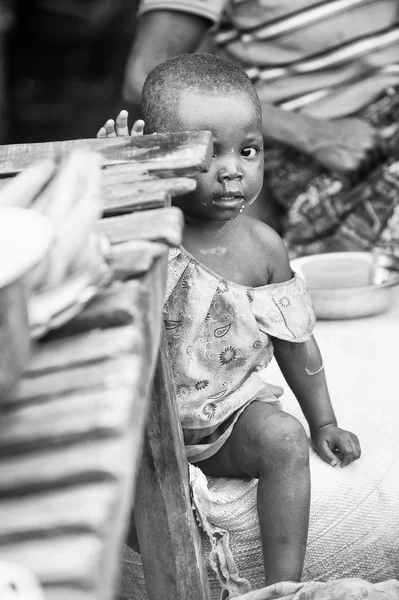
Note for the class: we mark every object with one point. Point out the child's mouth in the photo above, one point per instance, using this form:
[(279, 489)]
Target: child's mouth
[(232, 195), (229, 201)]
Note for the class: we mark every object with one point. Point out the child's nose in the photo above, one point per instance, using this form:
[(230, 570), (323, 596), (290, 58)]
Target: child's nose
[(229, 170)]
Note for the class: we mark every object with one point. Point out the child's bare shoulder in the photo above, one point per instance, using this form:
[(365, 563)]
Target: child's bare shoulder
[(268, 245)]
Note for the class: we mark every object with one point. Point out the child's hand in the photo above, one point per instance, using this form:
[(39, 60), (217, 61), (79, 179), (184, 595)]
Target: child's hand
[(119, 127), (336, 445)]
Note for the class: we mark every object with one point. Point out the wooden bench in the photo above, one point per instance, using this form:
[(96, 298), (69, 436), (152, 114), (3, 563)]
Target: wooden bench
[(72, 436)]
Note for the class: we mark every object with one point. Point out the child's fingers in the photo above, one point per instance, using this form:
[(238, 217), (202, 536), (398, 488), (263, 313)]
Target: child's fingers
[(347, 451), (138, 127), (101, 133), (357, 451), (326, 453), (121, 123), (110, 128)]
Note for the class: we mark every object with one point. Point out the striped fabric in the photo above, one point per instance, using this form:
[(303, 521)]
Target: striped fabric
[(327, 59)]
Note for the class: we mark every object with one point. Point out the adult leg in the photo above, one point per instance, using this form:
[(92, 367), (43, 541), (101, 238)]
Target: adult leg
[(272, 446)]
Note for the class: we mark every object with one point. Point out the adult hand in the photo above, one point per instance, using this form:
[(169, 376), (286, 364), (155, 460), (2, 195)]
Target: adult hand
[(350, 147), (119, 127), (336, 446), (347, 147)]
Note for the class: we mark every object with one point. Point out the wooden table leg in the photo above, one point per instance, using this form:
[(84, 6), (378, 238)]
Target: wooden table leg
[(169, 540)]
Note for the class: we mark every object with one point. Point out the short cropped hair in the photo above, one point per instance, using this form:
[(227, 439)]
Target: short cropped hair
[(205, 73)]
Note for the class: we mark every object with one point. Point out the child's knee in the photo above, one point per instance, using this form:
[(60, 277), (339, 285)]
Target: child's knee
[(283, 443)]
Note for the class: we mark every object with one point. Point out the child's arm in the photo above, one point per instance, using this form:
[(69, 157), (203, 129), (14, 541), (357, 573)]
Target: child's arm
[(302, 367)]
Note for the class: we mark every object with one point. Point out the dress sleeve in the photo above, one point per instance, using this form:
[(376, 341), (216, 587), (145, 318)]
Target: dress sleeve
[(285, 311), (296, 309), (209, 9)]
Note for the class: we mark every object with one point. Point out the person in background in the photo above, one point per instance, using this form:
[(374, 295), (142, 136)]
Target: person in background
[(327, 76)]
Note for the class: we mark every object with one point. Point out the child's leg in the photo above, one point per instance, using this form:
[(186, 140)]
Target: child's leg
[(272, 446)]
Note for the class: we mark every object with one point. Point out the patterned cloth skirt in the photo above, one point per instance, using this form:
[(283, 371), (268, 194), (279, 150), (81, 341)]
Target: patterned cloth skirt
[(323, 213)]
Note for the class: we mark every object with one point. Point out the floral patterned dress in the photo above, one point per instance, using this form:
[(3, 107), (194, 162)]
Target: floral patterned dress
[(219, 339)]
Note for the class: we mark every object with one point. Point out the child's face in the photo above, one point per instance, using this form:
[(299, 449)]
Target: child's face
[(235, 177)]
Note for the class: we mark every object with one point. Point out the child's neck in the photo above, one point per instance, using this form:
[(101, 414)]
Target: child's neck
[(210, 236), (227, 249)]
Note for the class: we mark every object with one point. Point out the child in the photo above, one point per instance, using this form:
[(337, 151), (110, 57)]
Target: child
[(232, 300)]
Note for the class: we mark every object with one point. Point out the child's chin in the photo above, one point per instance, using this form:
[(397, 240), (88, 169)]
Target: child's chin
[(226, 215)]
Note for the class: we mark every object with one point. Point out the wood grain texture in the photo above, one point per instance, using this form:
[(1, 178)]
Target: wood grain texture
[(122, 198), (169, 154), (169, 541), (124, 173), (114, 205), (136, 255), (160, 225), (70, 445), (140, 173), (176, 186)]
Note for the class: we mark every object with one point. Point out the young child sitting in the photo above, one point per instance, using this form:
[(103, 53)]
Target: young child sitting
[(232, 302)]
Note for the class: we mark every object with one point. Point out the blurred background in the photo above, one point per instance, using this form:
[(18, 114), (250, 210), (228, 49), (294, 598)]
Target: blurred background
[(61, 66)]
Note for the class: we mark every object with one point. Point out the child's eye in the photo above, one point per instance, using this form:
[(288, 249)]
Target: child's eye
[(249, 152)]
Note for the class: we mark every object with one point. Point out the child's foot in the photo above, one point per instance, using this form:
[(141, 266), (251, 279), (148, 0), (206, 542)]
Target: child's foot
[(119, 128)]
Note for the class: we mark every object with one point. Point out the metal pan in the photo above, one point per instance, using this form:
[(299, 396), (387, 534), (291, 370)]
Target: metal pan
[(352, 302)]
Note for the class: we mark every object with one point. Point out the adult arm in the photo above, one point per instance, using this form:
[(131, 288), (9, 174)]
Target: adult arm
[(342, 145), (161, 34)]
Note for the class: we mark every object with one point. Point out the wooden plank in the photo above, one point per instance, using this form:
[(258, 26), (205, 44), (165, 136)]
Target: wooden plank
[(84, 462), (168, 154), (119, 304), (112, 205), (83, 349), (60, 422), (125, 173), (127, 197), (67, 381), (178, 573), (65, 511), (163, 225), (176, 186), (141, 254), (115, 307)]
